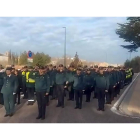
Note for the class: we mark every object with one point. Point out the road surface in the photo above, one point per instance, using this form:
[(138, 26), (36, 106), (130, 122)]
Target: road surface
[(130, 106), (88, 114)]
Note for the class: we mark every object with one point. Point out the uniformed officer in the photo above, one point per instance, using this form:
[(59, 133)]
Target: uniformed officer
[(1, 84), (9, 89), (102, 86), (118, 77), (17, 96), (70, 74), (51, 74), (42, 88), (95, 74), (30, 84), (89, 83), (60, 80), (110, 93), (24, 89), (78, 87)]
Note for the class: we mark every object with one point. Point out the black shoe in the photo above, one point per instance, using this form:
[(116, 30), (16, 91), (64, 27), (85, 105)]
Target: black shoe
[(98, 109), (72, 99), (87, 101), (102, 110), (76, 107), (39, 117), (69, 99), (6, 115), (58, 106), (11, 114), (43, 118), (63, 106), (80, 107)]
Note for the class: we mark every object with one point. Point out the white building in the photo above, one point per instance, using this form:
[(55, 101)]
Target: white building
[(4, 57)]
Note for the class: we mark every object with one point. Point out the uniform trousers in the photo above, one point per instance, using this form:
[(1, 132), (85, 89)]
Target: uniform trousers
[(41, 102), (60, 93), (9, 102), (109, 95), (78, 97), (95, 93), (117, 90), (24, 90), (30, 91), (55, 91), (88, 91), (71, 91), (17, 96), (101, 98), (1, 96)]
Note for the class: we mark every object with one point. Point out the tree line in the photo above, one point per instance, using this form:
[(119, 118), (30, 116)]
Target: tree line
[(134, 63), (38, 58), (22, 59)]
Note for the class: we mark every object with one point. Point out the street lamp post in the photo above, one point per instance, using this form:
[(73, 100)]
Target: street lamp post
[(65, 48)]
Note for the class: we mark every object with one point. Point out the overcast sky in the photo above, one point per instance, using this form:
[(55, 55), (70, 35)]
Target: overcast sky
[(93, 38)]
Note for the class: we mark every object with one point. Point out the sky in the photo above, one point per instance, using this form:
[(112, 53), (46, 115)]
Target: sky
[(93, 38)]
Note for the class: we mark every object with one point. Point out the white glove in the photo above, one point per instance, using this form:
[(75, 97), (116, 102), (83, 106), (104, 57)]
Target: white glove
[(47, 93), (83, 90), (106, 90), (14, 93), (67, 82)]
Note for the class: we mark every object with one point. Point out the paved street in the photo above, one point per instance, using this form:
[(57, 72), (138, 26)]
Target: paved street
[(88, 114), (131, 103)]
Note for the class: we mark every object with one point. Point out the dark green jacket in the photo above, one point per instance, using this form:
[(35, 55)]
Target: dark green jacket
[(51, 74), (78, 82), (89, 80), (69, 76), (111, 79), (102, 82), (1, 78), (10, 84), (42, 83), (60, 78)]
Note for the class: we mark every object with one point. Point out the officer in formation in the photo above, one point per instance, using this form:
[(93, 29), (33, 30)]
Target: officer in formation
[(53, 81), (9, 89)]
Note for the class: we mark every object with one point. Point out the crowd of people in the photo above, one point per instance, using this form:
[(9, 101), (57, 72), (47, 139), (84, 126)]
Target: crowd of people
[(51, 83)]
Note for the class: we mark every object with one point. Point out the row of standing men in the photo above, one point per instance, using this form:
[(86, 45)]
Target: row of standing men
[(53, 82)]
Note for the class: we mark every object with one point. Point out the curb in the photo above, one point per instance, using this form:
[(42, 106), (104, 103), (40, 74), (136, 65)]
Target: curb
[(115, 107)]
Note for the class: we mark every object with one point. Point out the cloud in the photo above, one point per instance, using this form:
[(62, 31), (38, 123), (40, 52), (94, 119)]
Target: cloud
[(91, 37)]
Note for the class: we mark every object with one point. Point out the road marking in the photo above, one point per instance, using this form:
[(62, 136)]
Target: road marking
[(115, 108)]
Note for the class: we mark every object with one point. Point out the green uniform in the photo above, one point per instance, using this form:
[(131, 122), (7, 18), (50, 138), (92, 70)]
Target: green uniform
[(42, 83), (9, 87), (102, 84), (1, 84)]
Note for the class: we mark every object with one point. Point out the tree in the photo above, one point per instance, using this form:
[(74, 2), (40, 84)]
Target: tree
[(9, 57), (41, 59), (16, 59), (130, 32), (134, 63), (76, 62), (12, 58), (23, 58)]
